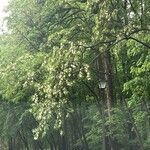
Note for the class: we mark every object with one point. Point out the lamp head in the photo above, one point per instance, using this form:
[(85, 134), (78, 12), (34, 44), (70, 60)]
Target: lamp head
[(102, 84)]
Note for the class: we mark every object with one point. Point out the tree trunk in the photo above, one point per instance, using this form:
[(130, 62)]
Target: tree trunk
[(104, 67)]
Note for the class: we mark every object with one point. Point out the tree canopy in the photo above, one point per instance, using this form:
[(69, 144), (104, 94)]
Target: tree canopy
[(75, 75)]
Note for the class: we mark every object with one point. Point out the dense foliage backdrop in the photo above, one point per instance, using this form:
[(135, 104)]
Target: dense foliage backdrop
[(53, 61)]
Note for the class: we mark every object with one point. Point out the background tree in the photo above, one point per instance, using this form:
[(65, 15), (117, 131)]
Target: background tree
[(52, 62)]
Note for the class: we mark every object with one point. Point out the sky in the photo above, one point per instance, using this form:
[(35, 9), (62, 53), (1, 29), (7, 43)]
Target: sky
[(3, 4)]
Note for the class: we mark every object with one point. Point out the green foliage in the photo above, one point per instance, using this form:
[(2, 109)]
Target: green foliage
[(51, 63)]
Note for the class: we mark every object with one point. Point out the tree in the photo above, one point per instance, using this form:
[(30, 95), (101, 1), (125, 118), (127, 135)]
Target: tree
[(64, 49)]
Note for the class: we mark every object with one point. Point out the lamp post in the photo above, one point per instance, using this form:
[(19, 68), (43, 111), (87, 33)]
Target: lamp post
[(102, 84)]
